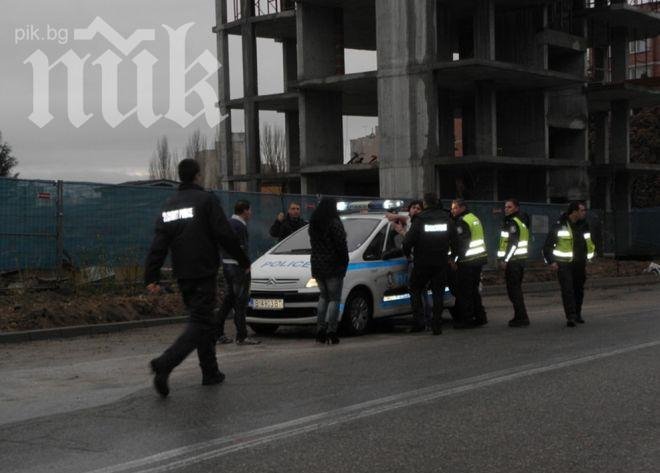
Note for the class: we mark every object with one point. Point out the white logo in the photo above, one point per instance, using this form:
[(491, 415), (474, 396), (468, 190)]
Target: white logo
[(109, 63), (179, 214), (440, 227)]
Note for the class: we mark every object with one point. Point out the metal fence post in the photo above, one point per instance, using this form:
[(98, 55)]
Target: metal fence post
[(59, 224)]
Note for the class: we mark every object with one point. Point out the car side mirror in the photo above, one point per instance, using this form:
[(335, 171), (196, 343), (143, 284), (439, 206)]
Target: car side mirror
[(393, 253)]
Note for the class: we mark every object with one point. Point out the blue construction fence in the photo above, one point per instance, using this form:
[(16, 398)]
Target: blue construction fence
[(88, 224)]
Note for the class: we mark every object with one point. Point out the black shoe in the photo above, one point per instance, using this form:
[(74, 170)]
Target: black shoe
[(215, 378), (416, 329), (333, 339), (570, 323), (321, 336), (579, 320), (478, 322), (160, 379), (519, 323), (463, 325)]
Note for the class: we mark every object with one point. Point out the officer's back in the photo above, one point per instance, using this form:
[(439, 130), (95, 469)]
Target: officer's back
[(192, 224), (429, 235)]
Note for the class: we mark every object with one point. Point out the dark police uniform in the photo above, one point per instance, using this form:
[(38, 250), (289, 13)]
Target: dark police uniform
[(428, 243), (570, 246), (469, 253), (283, 229), (513, 250), (192, 225)]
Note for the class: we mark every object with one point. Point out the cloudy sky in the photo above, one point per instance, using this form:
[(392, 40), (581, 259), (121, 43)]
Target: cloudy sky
[(97, 151)]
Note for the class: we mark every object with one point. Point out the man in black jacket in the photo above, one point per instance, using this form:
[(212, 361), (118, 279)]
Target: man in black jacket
[(285, 225), (192, 225), (427, 242), (237, 281)]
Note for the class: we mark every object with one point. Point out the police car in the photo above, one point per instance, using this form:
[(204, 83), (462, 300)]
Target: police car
[(283, 291)]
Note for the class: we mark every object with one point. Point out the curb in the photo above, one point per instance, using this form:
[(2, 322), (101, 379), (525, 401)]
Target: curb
[(80, 330), (600, 283)]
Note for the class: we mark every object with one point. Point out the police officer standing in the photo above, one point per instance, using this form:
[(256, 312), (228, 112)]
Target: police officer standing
[(512, 254), (192, 225), (285, 225), (428, 243), (567, 249), (468, 258)]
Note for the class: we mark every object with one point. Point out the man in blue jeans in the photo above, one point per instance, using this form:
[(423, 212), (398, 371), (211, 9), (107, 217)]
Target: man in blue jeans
[(237, 281)]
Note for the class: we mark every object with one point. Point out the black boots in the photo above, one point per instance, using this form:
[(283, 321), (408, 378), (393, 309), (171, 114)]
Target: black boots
[(518, 322), (333, 339), (321, 336), (213, 378), (160, 378)]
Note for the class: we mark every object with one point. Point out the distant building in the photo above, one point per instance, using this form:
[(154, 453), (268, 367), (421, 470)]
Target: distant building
[(365, 149), (210, 164), (152, 183)]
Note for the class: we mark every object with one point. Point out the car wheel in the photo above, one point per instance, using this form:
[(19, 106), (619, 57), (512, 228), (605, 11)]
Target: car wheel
[(357, 313), (264, 329)]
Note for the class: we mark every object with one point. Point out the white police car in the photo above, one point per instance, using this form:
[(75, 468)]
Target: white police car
[(283, 291)]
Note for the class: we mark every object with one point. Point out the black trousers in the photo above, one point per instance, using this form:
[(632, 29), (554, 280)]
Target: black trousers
[(468, 299), (572, 277), (513, 274), (237, 294), (200, 333), (419, 281)]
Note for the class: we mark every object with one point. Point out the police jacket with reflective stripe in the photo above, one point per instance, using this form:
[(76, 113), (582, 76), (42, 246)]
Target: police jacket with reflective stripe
[(576, 245), (514, 238), (429, 237), (469, 247), (193, 227)]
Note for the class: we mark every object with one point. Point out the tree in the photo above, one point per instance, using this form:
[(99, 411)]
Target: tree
[(196, 143), (7, 161), (273, 149), (163, 162), (645, 148)]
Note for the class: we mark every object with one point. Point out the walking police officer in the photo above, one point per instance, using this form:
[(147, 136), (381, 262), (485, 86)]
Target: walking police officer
[(468, 256), (567, 249), (512, 253), (428, 243), (192, 225)]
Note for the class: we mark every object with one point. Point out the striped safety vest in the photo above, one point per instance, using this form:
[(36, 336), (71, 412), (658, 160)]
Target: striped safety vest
[(563, 251), (477, 248), (517, 252)]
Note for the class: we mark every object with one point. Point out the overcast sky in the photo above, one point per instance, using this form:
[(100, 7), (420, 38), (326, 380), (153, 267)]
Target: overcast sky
[(96, 151)]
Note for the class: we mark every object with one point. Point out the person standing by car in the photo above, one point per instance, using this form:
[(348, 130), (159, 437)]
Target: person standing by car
[(192, 226), (468, 256), (285, 225), (329, 262), (567, 249), (512, 253), (237, 282), (427, 242)]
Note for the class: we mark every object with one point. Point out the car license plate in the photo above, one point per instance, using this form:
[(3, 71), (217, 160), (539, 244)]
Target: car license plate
[(267, 304)]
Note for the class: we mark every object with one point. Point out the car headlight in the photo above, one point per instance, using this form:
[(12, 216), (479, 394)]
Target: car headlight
[(312, 283)]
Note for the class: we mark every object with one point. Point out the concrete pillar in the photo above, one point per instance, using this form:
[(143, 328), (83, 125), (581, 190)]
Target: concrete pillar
[(408, 101), (224, 141), (320, 128), (619, 54), (601, 134), (250, 90), (484, 29), (319, 32), (292, 130), (620, 129), (485, 119), (445, 124), (290, 60)]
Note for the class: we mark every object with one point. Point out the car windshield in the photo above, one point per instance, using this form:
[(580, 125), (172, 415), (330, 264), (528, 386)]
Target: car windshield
[(357, 231)]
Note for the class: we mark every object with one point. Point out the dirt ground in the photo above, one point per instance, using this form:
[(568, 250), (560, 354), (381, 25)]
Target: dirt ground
[(42, 309)]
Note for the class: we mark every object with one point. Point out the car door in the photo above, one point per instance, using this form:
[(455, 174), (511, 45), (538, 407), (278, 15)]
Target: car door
[(388, 273)]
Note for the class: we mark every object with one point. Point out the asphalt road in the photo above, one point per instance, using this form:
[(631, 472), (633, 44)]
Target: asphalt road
[(544, 398)]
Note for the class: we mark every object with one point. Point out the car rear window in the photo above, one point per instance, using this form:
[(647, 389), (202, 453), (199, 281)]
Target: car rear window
[(357, 231)]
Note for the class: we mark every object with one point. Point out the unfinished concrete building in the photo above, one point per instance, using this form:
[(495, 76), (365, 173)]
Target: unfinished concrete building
[(513, 72)]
